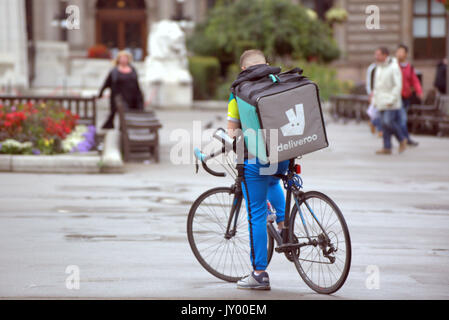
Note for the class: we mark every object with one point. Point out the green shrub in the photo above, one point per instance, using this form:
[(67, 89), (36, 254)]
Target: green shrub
[(324, 76), (278, 27), (205, 72), (224, 89)]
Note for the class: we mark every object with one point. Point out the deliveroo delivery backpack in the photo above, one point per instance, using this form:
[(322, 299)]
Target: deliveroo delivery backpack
[(286, 106)]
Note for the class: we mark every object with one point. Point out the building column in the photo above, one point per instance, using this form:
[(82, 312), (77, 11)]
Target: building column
[(13, 44)]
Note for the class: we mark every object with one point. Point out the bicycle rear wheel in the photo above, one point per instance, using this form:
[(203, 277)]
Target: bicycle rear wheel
[(323, 265), (227, 258)]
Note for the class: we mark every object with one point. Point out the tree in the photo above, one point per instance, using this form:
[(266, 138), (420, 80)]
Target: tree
[(277, 27)]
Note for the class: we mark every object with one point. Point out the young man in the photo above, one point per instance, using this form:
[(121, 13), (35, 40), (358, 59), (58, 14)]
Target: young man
[(409, 81), (387, 99), (257, 188), (375, 121)]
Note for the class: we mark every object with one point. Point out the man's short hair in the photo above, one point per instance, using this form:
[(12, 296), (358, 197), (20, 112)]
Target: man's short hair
[(252, 57), (403, 46), (384, 51)]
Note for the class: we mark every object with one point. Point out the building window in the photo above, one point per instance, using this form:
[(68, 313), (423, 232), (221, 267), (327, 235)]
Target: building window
[(122, 25), (429, 29)]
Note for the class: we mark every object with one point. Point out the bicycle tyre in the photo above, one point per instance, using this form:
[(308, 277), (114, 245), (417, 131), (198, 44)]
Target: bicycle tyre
[(243, 249), (302, 258)]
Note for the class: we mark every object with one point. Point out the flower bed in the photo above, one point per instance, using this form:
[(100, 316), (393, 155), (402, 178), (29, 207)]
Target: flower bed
[(42, 129)]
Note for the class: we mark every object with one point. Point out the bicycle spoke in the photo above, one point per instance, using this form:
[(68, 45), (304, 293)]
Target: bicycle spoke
[(322, 269), (226, 257)]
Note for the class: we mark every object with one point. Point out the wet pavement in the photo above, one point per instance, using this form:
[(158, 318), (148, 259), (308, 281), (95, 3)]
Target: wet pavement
[(126, 233)]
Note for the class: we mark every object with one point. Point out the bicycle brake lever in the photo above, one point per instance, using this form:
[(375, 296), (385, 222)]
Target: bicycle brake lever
[(197, 167)]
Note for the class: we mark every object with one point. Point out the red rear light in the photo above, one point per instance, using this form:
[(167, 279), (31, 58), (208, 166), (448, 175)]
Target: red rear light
[(298, 168)]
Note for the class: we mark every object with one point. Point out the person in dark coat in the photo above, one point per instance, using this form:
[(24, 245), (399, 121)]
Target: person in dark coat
[(440, 79), (122, 80)]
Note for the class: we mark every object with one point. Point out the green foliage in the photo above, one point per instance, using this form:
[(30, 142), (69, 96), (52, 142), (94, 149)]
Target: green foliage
[(205, 72), (324, 76), (224, 89), (277, 27)]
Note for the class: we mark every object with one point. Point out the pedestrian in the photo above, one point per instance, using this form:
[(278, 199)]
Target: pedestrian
[(440, 78), (387, 99), (373, 113), (123, 81), (410, 83)]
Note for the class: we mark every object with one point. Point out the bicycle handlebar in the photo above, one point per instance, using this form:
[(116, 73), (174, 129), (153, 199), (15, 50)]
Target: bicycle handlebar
[(203, 158)]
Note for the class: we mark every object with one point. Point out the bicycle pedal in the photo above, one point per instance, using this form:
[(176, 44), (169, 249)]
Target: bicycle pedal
[(283, 247)]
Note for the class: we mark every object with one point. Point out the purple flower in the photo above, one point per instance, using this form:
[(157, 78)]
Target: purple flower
[(0, 147), (13, 108), (83, 146), (36, 152), (90, 135)]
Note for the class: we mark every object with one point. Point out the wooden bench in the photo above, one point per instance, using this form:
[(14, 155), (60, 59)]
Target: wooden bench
[(139, 132), (349, 106), (85, 108), (433, 119)]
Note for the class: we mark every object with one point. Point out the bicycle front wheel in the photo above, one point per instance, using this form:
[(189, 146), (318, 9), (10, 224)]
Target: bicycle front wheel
[(226, 256), (324, 263)]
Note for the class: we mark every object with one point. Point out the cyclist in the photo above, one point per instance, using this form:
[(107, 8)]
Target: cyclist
[(257, 188)]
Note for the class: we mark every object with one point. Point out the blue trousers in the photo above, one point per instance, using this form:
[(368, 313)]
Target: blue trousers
[(404, 117), (391, 125), (257, 189), (377, 123)]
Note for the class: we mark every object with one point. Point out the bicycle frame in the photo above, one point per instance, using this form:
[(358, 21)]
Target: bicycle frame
[(298, 239), (283, 244)]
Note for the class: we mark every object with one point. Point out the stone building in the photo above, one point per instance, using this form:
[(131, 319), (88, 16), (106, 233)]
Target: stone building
[(36, 49), (422, 25)]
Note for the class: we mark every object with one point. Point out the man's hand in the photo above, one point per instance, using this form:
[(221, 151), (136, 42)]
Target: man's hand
[(232, 128)]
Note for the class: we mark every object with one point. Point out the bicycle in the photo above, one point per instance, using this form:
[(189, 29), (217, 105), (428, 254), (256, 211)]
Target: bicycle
[(218, 232)]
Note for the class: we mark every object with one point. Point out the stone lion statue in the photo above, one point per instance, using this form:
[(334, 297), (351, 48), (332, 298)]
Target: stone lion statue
[(167, 60)]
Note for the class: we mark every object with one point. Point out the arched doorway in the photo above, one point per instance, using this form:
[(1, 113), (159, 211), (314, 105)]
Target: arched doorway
[(122, 24)]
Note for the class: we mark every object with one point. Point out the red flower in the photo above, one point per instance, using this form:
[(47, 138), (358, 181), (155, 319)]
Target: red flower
[(8, 123), (21, 115), (10, 116)]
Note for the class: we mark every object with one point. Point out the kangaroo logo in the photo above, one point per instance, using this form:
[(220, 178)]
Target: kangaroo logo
[(296, 124)]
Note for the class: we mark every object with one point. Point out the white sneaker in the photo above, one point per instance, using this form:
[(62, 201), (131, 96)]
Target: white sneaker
[(255, 282)]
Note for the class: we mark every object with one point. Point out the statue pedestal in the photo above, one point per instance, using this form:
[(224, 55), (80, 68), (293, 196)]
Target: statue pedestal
[(171, 95)]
